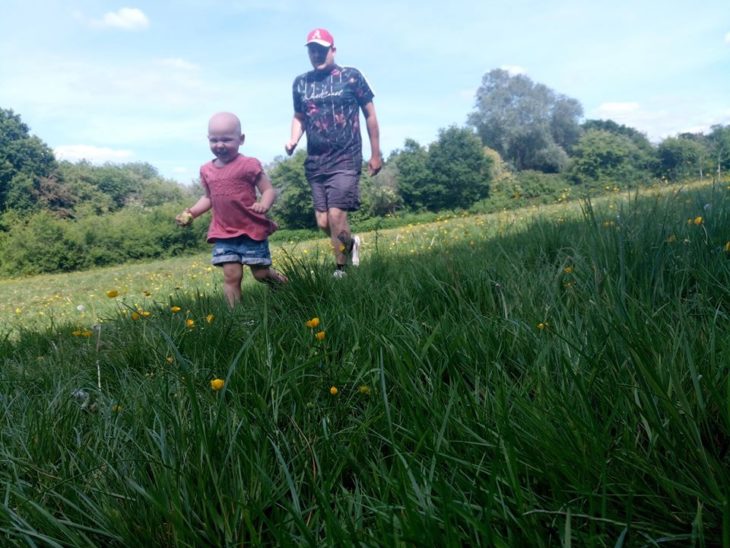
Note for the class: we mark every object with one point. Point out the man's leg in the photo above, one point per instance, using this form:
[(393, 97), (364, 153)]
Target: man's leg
[(339, 230), (232, 276)]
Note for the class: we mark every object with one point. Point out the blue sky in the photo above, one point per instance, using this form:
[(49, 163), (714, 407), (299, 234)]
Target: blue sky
[(129, 82)]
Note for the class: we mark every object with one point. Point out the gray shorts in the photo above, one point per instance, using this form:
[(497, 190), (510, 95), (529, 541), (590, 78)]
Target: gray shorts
[(241, 249), (340, 190)]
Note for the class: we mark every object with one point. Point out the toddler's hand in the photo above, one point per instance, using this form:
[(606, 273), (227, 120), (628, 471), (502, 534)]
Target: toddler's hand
[(258, 208), (184, 219)]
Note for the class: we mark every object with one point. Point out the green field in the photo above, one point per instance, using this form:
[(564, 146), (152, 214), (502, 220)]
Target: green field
[(536, 377)]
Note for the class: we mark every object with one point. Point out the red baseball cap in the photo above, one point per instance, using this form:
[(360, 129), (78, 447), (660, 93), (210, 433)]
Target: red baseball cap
[(321, 37)]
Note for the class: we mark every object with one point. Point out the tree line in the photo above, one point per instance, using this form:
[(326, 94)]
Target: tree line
[(522, 143)]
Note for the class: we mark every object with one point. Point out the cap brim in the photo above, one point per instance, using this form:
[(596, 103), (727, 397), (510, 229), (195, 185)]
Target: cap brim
[(320, 42)]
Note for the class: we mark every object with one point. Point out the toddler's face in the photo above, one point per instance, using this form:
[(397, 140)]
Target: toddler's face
[(224, 144)]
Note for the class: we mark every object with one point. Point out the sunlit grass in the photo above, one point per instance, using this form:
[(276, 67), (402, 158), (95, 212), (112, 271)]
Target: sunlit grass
[(536, 377)]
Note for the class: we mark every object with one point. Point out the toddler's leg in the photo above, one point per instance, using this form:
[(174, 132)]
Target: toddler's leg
[(232, 276), (268, 275)]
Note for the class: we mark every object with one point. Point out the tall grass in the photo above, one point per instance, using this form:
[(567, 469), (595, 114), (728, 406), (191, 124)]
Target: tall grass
[(565, 383)]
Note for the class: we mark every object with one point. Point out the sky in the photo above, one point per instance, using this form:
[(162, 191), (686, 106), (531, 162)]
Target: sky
[(137, 81)]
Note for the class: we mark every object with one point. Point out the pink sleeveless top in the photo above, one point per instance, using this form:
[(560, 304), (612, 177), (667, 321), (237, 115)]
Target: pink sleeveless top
[(232, 190)]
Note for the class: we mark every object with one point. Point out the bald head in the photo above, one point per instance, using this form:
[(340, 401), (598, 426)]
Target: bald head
[(224, 137), (224, 122)]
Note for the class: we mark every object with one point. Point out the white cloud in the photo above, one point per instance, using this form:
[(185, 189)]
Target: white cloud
[(611, 110), (177, 63), (514, 70), (124, 19), (91, 153)]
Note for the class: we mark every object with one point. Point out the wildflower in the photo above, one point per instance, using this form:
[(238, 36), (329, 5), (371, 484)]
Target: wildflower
[(170, 360), (81, 308), (209, 318), (116, 408), (364, 389), (568, 270), (135, 316), (112, 293), (333, 390), (698, 220), (217, 384), (314, 322), (175, 309), (671, 239), (542, 325), (18, 310), (145, 313), (190, 323), (320, 335), (727, 247)]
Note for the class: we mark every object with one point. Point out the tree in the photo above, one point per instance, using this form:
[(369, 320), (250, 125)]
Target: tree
[(379, 194), (413, 174), (681, 158), (24, 159), (459, 170), (601, 155), (294, 205), (528, 124), (719, 144)]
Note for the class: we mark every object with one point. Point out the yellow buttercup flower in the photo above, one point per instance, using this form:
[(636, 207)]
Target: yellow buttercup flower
[(698, 220), (170, 359), (190, 323), (175, 309), (112, 293), (209, 318), (364, 389), (314, 322), (320, 335), (727, 247), (135, 315), (568, 270), (217, 384), (146, 313), (542, 325), (333, 390)]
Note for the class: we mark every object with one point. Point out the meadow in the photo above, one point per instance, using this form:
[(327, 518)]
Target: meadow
[(547, 376)]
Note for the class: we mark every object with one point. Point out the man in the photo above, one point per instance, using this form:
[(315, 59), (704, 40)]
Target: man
[(327, 104)]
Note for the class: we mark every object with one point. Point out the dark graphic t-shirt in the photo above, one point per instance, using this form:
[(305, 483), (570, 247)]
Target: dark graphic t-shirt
[(331, 102)]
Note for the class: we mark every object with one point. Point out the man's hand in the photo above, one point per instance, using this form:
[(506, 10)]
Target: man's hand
[(184, 219), (289, 147), (375, 165)]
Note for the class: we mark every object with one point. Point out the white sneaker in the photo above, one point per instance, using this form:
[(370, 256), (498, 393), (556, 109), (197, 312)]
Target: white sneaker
[(355, 253), (339, 274)]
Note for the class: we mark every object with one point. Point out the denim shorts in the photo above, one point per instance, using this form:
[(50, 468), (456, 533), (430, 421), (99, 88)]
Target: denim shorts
[(340, 190), (241, 249)]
